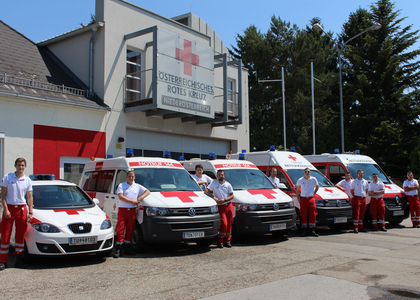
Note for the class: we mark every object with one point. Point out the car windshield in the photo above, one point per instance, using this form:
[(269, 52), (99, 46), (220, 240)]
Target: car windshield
[(248, 179), (57, 196), (368, 170), (295, 174), (163, 180)]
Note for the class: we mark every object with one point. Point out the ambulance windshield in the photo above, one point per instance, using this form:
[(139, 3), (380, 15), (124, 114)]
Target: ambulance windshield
[(247, 179), (165, 179), (295, 174), (368, 170)]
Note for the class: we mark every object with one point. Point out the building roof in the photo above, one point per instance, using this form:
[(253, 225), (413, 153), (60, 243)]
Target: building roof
[(34, 72)]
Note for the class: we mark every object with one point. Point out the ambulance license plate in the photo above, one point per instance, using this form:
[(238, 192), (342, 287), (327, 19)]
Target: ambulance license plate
[(340, 220), (83, 240), (398, 213), (279, 226), (192, 235)]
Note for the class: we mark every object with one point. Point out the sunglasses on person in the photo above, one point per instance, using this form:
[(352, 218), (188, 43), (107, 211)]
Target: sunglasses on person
[(307, 172)]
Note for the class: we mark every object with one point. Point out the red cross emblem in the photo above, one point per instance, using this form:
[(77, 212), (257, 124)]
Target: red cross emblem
[(267, 193), (70, 211), (115, 206), (292, 157), (185, 197), (328, 190), (388, 187), (187, 57)]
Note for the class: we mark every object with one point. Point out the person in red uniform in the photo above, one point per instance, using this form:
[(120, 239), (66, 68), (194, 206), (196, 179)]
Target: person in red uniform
[(376, 191), (411, 187), (306, 188), (14, 188), (222, 192), (130, 194), (359, 190)]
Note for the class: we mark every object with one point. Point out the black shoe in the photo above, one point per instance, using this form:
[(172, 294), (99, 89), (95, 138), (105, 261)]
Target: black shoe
[(313, 233), (375, 229), (19, 262), (383, 229), (356, 231), (304, 231), (117, 252), (362, 230), (3, 266), (227, 244), (129, 250), (220, 245)]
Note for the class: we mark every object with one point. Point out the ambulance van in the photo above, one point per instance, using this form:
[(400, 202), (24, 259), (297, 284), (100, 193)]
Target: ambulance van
[(333, 205), (334, 166), (177, 210), (259, 206)]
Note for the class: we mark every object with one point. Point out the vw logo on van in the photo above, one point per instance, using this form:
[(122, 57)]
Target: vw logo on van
[(275, 206), (338, 203), (191, 212)]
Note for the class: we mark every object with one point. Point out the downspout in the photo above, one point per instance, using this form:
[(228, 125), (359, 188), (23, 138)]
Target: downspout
[(92, 38)]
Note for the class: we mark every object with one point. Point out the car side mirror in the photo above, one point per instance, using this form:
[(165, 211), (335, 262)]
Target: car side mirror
[(96, 201)]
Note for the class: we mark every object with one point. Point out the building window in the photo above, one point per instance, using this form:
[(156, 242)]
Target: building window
[(232, 99), (133, 76), (71, 168)]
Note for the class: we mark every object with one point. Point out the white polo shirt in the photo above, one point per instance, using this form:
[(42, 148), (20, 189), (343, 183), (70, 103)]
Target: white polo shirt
[(359, 187), (408, 183), (307, 186), (203, 178), (376, 187), (346, 185), (131, 192), (275, 180), (16, 188), (220, 191)]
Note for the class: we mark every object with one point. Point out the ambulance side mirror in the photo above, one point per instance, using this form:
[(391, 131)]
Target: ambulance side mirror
[(96, 201), (282, 186)]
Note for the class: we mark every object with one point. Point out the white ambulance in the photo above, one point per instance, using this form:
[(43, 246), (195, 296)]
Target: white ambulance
[(259, 206), (176, 210), (333, 205), (334, 167)]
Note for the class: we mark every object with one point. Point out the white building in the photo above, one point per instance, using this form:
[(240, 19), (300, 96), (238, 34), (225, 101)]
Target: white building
[(149, 84)]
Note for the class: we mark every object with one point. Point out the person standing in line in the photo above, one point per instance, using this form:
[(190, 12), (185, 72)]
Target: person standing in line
[(411, 187), (273, 177), (306, 188), (130, 194), (345, 184), (359, 190), (202, 179), (14, 188), (376, 190), (222, 192)]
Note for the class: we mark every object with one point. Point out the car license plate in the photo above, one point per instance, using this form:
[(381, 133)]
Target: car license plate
[(340, 220), (83, 240), (279, 226), (398, 213), (193, 235)]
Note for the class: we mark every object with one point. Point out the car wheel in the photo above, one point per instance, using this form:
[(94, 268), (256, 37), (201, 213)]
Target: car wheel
[(137, 240), (298, 226), (26, 257)]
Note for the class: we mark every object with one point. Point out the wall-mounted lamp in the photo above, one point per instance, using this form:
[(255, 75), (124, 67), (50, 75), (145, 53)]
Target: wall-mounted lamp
[(121, 139)]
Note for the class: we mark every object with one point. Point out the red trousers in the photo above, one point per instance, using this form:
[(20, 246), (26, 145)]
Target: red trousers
[(377, 205), (359, 209), (413, 202), (308, 206), (126, 221), (19, 216), (226, 221)]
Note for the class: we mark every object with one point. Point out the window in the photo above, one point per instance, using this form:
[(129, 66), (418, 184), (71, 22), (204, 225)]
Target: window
[(133, 76), (321, 169), (336, 173), (232, 103), (71, 168), (121, 177), (98, 181)]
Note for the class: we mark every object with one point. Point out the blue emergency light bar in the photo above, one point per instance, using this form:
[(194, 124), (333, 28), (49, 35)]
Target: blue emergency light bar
[(241, 156), (336, 151), (212, 156), (42, 177), (293, 149), (181, 158), (243, 150), (167, 154), (272, 148)]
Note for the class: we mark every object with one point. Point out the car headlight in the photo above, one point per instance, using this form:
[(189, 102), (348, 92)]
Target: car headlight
[(157, 211), (247, 207), (320, 202), (106, 224), (213, 209), (45, 227), (291, 204)]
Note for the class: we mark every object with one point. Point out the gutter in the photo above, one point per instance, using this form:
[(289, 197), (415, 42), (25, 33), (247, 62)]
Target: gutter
[(95, 28)]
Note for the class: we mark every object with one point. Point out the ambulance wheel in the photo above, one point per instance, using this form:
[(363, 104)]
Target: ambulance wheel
[(137, 240), (297, 227), (205, 242)]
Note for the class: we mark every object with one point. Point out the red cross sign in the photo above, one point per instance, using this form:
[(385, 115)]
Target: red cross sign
[(185, 197), (388, 187), (267, 193), (70, 211), (328, 190), (292, 157), (187, 57)]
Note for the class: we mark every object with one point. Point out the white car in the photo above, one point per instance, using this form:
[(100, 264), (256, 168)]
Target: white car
[(66, 221)]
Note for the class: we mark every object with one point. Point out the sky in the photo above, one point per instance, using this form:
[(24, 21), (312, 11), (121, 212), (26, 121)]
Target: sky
[(43, 19)]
